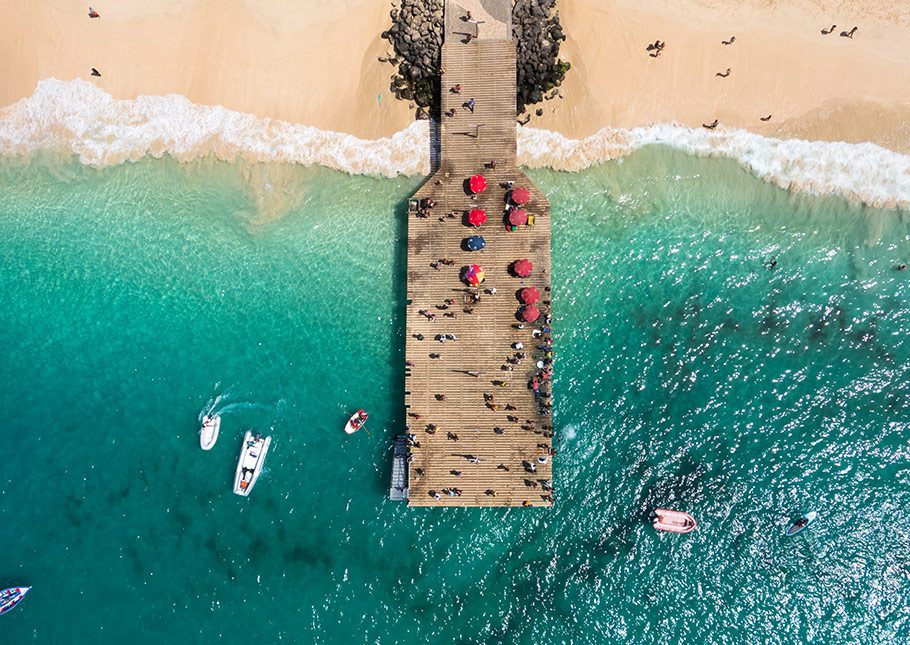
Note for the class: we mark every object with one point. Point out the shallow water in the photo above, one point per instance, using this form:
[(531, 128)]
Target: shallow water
[(691, 374)]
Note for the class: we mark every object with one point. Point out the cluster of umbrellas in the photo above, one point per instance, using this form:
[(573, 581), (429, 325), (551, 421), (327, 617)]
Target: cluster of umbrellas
[(473, 274)]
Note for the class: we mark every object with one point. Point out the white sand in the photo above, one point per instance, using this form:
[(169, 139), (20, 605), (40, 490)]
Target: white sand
[(315, 62)]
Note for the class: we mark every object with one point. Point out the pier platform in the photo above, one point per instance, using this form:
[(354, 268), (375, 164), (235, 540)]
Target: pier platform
[(481, 436)]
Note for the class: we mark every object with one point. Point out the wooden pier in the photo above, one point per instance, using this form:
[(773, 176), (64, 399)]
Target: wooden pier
[(459, 393)]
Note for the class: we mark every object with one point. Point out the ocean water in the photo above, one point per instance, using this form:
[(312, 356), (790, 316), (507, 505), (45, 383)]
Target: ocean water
[(691, 374)]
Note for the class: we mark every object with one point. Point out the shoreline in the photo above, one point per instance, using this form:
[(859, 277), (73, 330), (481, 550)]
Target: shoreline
[(318, 64), (76, 118)]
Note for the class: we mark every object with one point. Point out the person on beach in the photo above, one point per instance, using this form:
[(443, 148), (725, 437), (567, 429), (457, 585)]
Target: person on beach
[(825, 32), (710, 126), (93, 14), (901, 267), (849, 34), (728, 42), (502, 467), (456, 473), (724, 74), (95, 72), (470, 105), (456, 89), (490, 492), (492, 164)]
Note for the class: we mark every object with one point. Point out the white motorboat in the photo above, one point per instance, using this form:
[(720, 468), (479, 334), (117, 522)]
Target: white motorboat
[(208, 435), (252, 456)]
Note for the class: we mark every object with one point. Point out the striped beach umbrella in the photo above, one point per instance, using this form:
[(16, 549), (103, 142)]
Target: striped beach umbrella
[(518, 217), (530, 295), (523, 268), (477, 184), (473, 274), (520, 195), (477, 217), (530, 313)]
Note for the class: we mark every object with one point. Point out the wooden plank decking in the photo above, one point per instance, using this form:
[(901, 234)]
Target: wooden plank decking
[(485, 68)]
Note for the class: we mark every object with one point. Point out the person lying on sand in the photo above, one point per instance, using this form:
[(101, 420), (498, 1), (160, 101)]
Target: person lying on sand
[(93, 14), (710, 126)]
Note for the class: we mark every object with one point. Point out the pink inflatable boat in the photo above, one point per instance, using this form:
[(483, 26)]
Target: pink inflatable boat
[(674, 521)]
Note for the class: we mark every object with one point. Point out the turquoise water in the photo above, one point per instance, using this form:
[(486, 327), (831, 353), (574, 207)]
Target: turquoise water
[(691, 374)]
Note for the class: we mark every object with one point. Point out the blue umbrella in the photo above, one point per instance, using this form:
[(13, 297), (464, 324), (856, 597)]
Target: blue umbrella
[(475, 243)]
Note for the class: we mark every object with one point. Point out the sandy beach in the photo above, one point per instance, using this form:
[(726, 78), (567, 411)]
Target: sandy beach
[(317, 64)]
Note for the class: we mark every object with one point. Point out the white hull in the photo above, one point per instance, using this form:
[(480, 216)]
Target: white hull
[(249, 465), (208, 435)]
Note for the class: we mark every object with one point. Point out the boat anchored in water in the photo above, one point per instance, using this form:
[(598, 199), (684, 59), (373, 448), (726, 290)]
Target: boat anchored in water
[(249, 465), (208, 434), (356, 422), (674, 521), (11, 597)]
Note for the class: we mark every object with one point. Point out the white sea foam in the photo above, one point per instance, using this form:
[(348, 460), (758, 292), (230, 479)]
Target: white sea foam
[(861, 172), (76, 117)]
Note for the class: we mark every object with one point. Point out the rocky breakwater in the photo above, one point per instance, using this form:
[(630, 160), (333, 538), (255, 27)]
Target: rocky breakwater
[(416, 35)]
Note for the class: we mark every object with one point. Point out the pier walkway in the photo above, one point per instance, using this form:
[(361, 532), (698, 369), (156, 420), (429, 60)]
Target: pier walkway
[(465, 440)]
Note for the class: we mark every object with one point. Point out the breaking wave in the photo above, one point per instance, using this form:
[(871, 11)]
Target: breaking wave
[(77, 118)]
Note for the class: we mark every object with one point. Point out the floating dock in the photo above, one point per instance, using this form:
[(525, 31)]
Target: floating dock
[(479, 434)]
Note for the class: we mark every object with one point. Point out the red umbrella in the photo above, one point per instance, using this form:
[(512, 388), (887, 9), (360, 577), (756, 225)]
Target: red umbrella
[(477, 184), (477, 217), (530, 313), (523, 268), (518, 217), (530, 295), (520, 195)]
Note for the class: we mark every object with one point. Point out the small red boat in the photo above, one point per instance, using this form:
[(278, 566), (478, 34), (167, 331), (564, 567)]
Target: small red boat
[(674, 521), (356, 422)]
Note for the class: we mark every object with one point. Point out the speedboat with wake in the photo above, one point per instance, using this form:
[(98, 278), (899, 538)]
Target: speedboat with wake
[(674, 521), (801, 523), (252, 456), (11, 597), (208, 435), (356, 422)]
